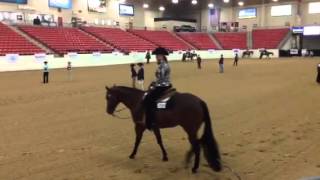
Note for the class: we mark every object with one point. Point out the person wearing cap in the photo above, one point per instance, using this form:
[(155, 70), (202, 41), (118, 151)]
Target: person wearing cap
[(158, 87), (45, 73), (318, 76)]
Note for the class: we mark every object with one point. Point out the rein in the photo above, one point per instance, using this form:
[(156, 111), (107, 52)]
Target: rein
[(119, 110)]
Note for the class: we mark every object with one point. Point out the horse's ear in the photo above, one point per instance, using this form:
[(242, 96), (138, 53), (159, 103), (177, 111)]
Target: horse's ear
[(107, 88)]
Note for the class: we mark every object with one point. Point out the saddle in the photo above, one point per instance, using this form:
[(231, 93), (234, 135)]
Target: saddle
[(162, 102)]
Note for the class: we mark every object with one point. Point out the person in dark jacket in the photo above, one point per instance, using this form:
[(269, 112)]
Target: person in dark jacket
[(133, 75), (221, 64), (141, 76), (318, 76), (199, 61), (236, 59), (161, 84), (148, 57)]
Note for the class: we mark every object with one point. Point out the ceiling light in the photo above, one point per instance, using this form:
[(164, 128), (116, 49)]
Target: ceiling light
[(161, 8), (122, 1), (194, 2), (226, 1), (275, 0), (240, 3), (145, 5), (175, 1), (211, 5)]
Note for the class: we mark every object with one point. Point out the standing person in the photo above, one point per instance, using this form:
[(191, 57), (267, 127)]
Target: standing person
[(236, 58), (199, 61), (45, 73), (69, 69), (318, 77), (161, 84), (141, 75), (221, 64), (148, 57), (133, 75)]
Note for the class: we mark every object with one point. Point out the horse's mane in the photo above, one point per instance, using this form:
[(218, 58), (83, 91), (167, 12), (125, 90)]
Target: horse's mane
[(128, 89)]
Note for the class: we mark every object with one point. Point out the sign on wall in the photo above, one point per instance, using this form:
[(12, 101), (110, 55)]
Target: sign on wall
[(99, 6)]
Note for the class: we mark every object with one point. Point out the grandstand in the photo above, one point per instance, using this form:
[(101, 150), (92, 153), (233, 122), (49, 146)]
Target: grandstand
[(232, 40), (268, 38), (12, 42), (162, 38), (201, 41), (121, 40), (64, 40)]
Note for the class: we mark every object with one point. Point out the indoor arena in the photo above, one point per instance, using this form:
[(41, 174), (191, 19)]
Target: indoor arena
[(219, 89)]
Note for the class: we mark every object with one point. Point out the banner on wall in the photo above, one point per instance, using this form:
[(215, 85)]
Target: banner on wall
[(99, 6), (12, 58), (96, 55), (40, 57), (211, 51), (73, 55)]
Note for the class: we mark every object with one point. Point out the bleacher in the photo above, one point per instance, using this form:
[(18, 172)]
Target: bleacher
[(201, 41), (13, 43), (121, 40), (268, 38), (64, 40), (232, 40), (162, 38)]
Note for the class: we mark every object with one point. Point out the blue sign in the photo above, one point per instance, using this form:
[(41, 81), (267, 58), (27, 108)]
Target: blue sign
[(15, 1), (64, 4)]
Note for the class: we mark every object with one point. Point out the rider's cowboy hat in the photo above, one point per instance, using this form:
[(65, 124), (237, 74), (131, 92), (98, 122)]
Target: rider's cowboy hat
[(160, 51)]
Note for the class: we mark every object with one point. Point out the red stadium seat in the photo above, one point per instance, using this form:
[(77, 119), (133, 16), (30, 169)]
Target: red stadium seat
[(201, 41), (63, 40), (232, 40), (268, 38), (162, 38), (12, 42), (120, 39)]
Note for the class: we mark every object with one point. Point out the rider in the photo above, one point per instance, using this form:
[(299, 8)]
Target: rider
[(161, 84)]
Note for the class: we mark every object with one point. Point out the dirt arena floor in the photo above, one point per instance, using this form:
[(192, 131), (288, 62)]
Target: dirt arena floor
[(266, 118)]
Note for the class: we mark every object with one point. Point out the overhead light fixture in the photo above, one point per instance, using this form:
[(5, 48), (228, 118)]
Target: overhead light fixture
[(145, 6), (194, 2), (211, 5), (175, 1), (122, 1), (240, 3), (275, 0), (226, 1), (161, 8)]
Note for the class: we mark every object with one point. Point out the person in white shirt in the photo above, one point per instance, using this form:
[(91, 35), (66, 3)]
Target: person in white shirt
[(45, 73)]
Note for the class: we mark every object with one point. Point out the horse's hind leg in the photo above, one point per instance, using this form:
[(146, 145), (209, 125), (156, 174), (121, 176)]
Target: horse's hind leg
[(156, 131), (196, 150), (188, 157), (139, 132)]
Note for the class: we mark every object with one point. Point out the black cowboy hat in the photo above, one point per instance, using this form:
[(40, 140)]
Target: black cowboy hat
[(160, 51)]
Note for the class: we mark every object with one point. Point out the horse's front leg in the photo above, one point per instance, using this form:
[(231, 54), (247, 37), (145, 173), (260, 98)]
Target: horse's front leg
[(139, 133), (156, 131)]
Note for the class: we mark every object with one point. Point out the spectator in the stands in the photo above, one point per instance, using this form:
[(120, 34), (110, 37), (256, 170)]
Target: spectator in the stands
[(37, 21)]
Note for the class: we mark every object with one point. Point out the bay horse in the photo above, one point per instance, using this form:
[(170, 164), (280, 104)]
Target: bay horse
[(188, 111), (247, 53)]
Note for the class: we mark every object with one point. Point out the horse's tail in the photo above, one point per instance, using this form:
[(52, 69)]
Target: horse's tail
[(210, 146)]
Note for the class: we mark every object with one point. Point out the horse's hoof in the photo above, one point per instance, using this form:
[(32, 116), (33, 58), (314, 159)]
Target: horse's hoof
[(131, 157), (194, 171), (165, 159)]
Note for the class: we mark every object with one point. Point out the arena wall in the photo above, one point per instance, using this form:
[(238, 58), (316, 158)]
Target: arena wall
[(88, 60)]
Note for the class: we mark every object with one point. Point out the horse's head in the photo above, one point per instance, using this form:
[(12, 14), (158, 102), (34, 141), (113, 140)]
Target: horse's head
[(112, 99)]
